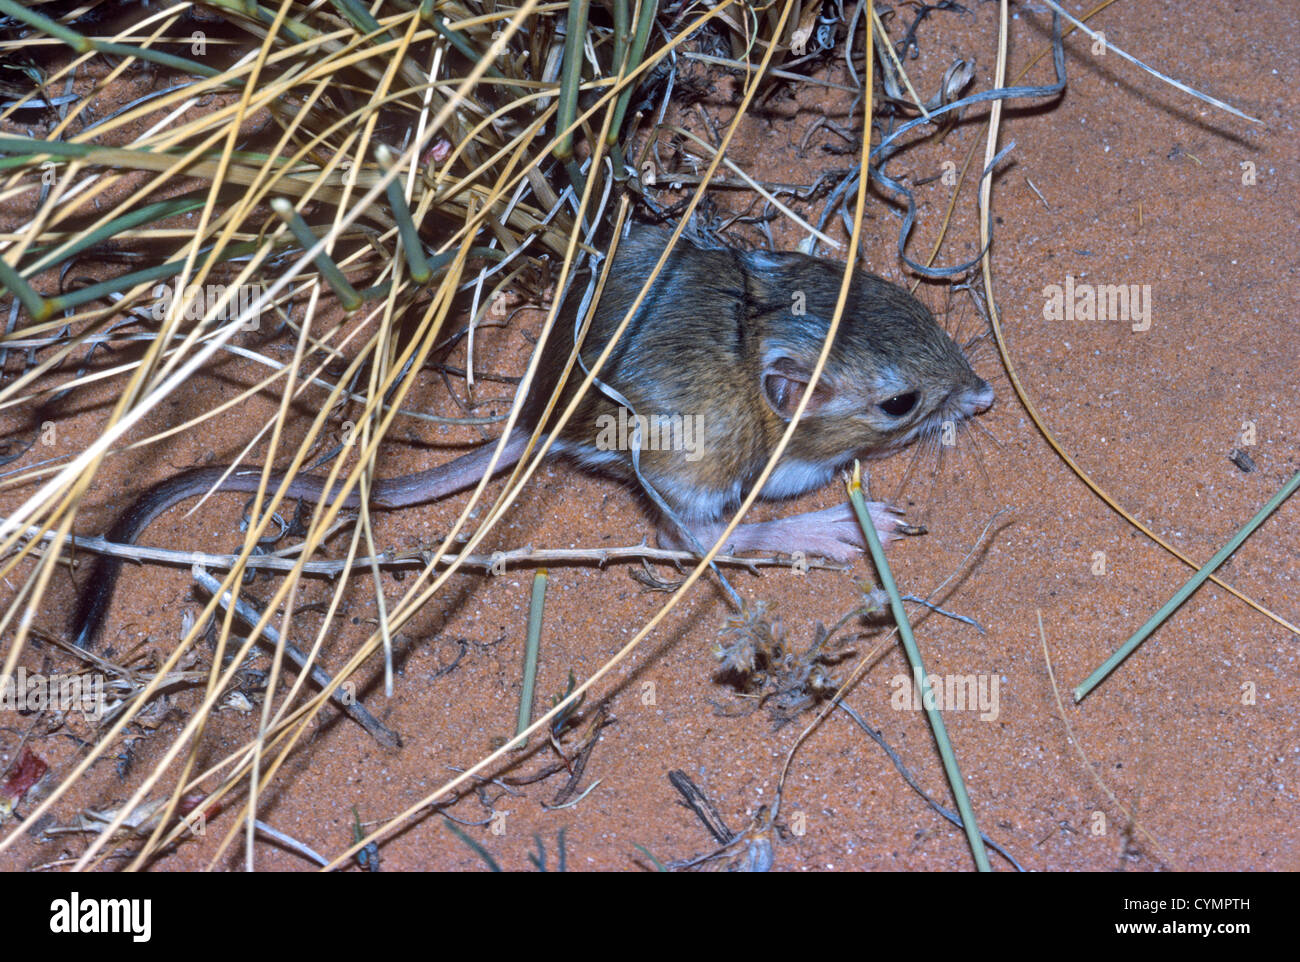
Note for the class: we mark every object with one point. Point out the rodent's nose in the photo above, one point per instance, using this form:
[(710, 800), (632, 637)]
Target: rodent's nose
[(978, 398)]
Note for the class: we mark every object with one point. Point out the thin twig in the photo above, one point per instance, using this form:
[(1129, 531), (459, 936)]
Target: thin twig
[(497, 562), (358, 712)]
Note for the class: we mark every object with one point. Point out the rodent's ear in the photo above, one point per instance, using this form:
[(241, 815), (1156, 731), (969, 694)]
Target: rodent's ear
[(784, 382)]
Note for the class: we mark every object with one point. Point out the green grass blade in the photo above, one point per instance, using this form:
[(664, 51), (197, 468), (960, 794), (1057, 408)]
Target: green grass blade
[(570, 79), (84, 45), (918, 671), (346, 293), (536, 608), (38, 307), (417, 264), (1185, 591), (148, 214), (117, 285)]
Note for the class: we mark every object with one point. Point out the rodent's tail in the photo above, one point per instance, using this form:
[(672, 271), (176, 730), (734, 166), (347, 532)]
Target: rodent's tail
[(464, 472), (97, 592)]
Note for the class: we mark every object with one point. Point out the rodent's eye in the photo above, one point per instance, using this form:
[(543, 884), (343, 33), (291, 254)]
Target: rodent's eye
[(899, 404)]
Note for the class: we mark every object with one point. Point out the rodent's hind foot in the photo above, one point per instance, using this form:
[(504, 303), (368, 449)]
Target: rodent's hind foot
[(833, 533)]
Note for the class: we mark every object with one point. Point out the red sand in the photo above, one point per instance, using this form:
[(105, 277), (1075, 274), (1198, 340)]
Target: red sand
[(1141, 185)]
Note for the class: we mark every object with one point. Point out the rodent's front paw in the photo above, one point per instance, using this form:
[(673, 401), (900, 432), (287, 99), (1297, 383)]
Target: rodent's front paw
[(833, 533)]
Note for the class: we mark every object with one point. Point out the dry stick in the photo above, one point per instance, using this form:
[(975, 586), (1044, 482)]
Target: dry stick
[(496, 562), (1155, 73), (378, 730), (733, 64), (290, 841), (1186, 591), (888, 45), (755, 186), (1078, 747), (704, 809)]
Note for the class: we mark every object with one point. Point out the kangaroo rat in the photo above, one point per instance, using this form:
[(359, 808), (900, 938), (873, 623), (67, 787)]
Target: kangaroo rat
[(716, 361)]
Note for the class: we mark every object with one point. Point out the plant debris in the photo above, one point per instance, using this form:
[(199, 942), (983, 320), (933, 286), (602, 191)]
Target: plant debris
[(762, 663)]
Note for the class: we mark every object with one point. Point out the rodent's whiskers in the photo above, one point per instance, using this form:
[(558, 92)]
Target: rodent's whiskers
[(977, 453), (987, 430), (976, 345), (933, 442), (907, 472), (952, 317), (928, 442)]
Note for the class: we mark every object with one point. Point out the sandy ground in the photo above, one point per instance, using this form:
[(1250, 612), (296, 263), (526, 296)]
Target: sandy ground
[(1120, 181)]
